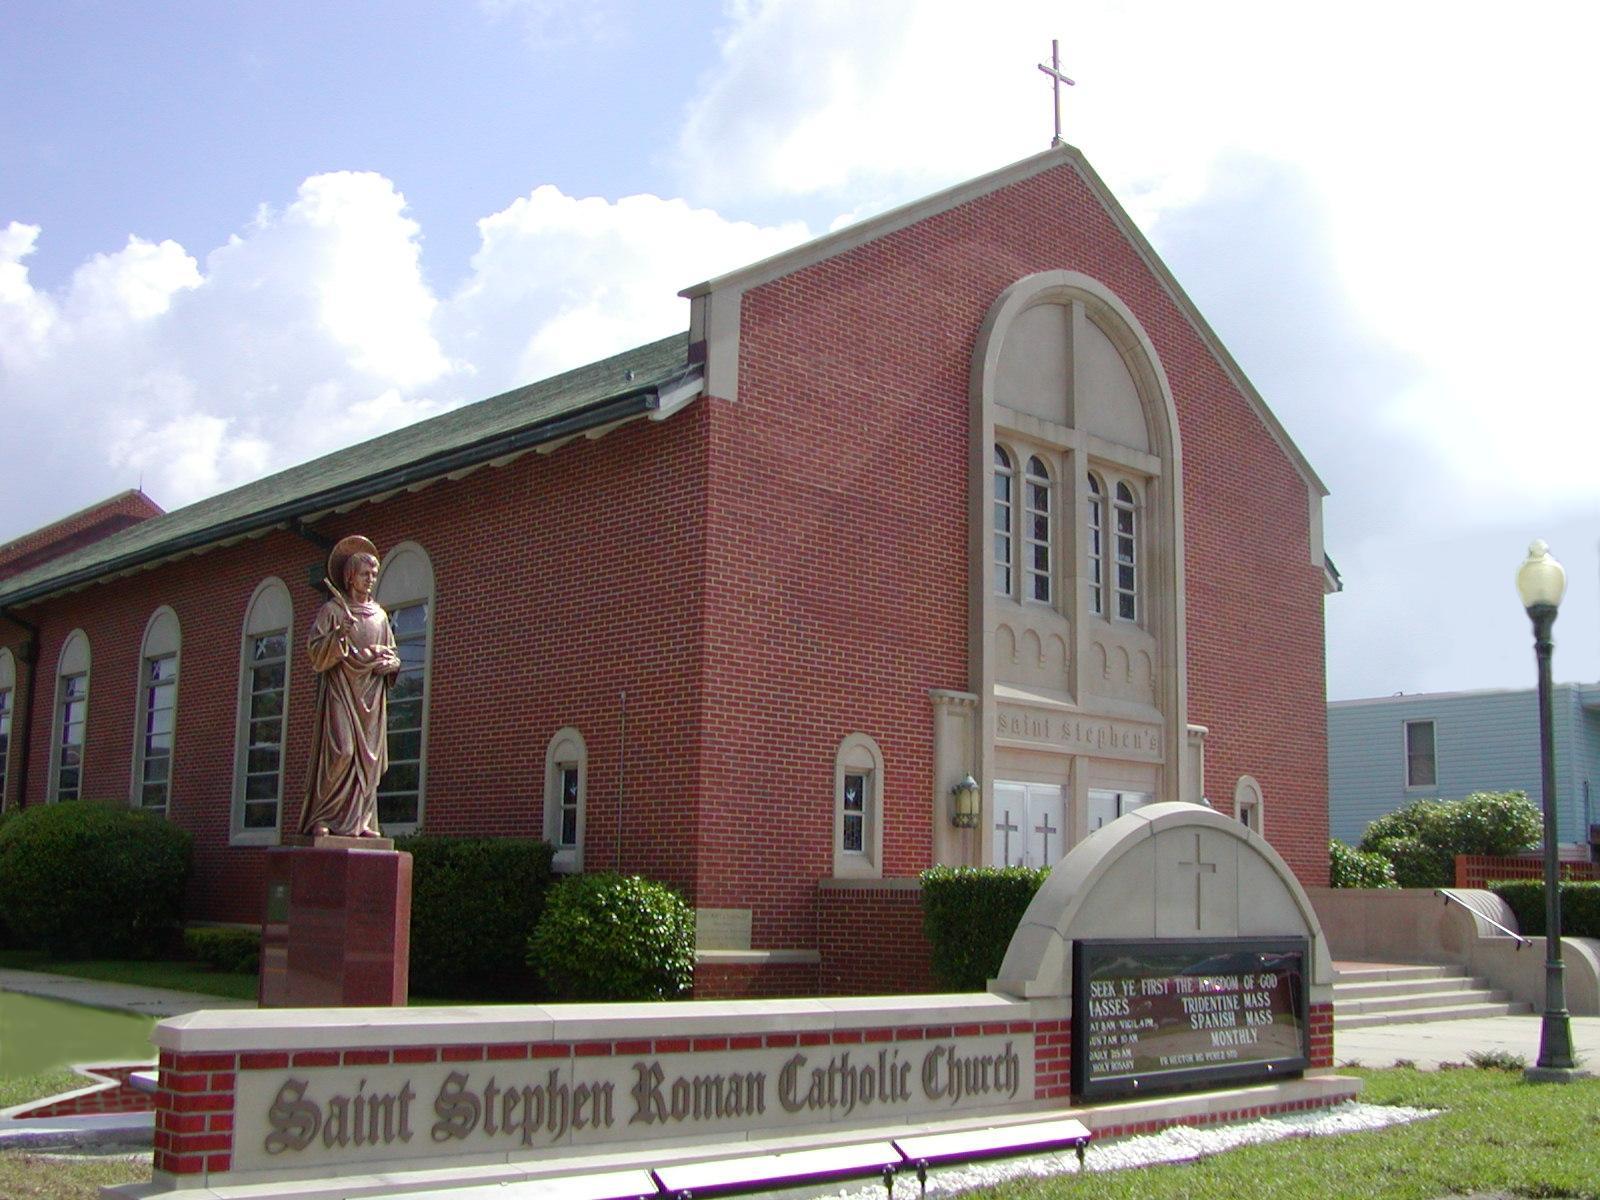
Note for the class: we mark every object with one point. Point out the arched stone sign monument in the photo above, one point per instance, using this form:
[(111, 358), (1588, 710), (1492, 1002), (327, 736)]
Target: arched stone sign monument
[(1204, 954)]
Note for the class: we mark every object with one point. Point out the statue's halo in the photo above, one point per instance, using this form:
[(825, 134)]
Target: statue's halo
[(341, 553)]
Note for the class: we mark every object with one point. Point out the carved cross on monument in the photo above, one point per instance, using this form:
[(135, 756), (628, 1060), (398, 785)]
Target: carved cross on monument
[(1056, 80), (1201, 870), (1045, 829), (1005, 829)]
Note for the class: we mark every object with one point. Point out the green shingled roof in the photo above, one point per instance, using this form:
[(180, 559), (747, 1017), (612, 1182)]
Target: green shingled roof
[(624, 385)]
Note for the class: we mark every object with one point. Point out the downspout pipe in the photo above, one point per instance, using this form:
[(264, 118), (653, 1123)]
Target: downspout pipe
[(30, 658)]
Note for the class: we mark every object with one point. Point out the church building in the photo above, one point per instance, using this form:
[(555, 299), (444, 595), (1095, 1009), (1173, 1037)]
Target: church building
[(966, 494)]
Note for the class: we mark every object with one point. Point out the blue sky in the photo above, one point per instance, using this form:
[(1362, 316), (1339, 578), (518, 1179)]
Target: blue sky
[(235, 236)]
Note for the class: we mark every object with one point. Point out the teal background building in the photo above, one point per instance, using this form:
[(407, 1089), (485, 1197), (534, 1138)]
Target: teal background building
[(1387, 751)]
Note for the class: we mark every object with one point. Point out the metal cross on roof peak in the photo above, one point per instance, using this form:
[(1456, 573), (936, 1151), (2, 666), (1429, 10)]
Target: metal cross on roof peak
[(1056, 80)]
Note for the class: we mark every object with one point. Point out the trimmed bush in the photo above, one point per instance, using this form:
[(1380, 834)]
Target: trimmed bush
[(225, 948), (1423, 838), (1580, 906), (473, 901), (1352, 868), (969, 915), (611, 937), (81, 879)]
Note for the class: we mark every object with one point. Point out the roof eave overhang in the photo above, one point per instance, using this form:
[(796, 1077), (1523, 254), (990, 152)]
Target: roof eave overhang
[(657, 400)]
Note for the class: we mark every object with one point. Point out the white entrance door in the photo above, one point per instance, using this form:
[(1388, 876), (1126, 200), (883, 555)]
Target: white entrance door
[(1030, 824), (1106, 807)]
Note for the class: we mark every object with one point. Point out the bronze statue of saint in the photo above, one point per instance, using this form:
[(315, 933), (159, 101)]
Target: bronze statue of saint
[(353, 653)]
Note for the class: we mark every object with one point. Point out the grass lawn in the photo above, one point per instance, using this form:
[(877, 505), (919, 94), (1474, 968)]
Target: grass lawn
[(181, 976), (1496, 1134)]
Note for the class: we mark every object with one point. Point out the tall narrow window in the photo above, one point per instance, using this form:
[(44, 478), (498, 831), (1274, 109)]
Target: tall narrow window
[(1003, 477), (155, 750), (263, 711), (565, 785), (1421, 765), (1127, 562), (1036, 529), (405, 589), (71, 718), (858, 808), (1097, 555), (8, 685), (156, 712)]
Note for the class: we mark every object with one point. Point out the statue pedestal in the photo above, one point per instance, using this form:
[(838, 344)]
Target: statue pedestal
[(337, 927)]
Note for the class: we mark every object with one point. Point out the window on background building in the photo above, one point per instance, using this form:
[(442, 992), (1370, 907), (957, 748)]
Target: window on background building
[(1097, 553), (156, 712), (565, 787), (1421, 767), (1127, 555), (71, 722), (263, 715), (405, 589), (1036, 528), (1004, 477), (858, 808), (8, 687)]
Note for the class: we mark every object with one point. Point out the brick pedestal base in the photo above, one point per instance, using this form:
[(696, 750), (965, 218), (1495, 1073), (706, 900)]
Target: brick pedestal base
[(337, 928)]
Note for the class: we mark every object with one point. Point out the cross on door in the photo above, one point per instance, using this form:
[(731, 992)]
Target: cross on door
[(1005, 828), (1045, 829), (1201, 870)]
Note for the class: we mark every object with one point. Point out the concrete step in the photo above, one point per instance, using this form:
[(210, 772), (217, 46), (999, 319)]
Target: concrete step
[(1438, 998), (1400, 988), (1450, 1013), (1394, 972)]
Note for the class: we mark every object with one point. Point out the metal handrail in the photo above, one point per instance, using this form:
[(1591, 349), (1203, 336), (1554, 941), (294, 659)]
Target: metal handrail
[(1450, 897)]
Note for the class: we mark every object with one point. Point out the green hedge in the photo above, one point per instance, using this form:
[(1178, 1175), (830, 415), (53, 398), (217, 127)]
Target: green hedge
[(225, 948), (1580, 906), (1423, 838), (612, 937), (1352, 868), (969, 915), (473, 903), (82, 879)]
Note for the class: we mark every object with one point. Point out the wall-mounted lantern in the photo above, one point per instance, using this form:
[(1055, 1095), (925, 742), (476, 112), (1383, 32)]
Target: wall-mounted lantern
[(966, 798)]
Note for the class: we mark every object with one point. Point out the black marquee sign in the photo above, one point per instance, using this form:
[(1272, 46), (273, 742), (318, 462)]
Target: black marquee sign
[(1166, 1015)]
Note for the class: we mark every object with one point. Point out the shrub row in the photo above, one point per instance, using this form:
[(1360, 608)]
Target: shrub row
[(969, 915), (82, 879), (613, 937), (1423, 838), (1352, 868), (473, 903), (1580, 906), (225, 947)]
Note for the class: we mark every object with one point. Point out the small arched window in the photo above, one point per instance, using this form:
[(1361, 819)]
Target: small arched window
[(858, 808), (1036, 528), (1127, 554), (405, 589), (566, 786), (1097, 553), (1004, 476), (8, 691), (267, 645), (1249, 805), (71, 722), (155, 718)]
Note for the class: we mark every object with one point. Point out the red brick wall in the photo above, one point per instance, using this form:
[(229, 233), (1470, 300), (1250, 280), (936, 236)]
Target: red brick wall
[(751, 981), (841, 469), (561, 582), (872, 942)]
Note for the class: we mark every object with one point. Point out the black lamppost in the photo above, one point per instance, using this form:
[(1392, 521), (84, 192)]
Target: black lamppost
[(1542, 582)]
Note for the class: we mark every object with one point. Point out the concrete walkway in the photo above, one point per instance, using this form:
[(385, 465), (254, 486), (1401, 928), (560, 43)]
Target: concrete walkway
[(129, 997), (1429, 1043)]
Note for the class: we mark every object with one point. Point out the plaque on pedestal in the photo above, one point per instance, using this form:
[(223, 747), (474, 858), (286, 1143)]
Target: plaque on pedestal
[(337, 927)]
